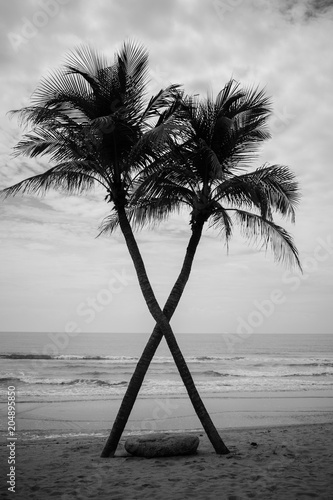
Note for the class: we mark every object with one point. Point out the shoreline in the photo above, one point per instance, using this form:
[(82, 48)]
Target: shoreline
[(238, 410)]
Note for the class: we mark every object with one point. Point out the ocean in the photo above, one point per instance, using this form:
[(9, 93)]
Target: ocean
[(57, 367)]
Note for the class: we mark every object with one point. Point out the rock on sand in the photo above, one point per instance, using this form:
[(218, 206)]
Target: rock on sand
[(162, 445)]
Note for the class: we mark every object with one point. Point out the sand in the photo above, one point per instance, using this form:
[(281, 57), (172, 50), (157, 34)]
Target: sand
[(282, 462)]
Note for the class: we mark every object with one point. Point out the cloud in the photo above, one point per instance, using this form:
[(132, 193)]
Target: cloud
[(308, 10)]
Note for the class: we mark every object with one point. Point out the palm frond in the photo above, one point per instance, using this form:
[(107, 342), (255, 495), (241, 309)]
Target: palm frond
[(169, 98), (87, 59), (227, 97), (132, 73), (109, 224), (267, 233), (267, 188), (70, 177), (152, 212), (233, 125), (61, 144), (63, 90), (221, 220), (170, 184), (133, 58), (281, 187)]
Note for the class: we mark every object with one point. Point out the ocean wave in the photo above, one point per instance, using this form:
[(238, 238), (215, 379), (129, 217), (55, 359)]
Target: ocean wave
[(119, 359), (213, 373), (5, 380), (320, 374), (200, 359), (269, 361), (25, 356), (96, 373), (301, 364), (328, 364), (74, 390), (104, 378), (47, 381), (69, 357), (82, 381)]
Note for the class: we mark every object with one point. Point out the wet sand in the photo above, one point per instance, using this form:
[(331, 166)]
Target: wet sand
[(169, 413)]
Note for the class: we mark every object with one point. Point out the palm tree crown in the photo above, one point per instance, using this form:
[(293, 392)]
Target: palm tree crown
[(208, 169), (92, 119)]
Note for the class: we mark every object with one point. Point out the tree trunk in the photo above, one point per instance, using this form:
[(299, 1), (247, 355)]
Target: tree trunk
[(162, 327)]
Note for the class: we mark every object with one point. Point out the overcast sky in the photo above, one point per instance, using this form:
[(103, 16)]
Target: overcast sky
[(55, 275)]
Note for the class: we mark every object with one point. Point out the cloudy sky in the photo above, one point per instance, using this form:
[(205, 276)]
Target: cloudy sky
[(56, 276)]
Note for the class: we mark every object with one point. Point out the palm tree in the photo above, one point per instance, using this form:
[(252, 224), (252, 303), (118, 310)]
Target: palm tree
[(205, 171), (91, 118)]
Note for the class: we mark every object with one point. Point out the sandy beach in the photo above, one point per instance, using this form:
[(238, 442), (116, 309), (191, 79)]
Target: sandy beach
[(281, 448), (285, 462)]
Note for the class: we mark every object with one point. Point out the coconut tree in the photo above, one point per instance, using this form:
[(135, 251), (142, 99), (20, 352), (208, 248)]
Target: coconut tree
[(207, 169), (92, 119)]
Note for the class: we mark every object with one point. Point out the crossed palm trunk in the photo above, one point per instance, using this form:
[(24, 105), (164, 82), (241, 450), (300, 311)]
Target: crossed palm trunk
[(162, 328)]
